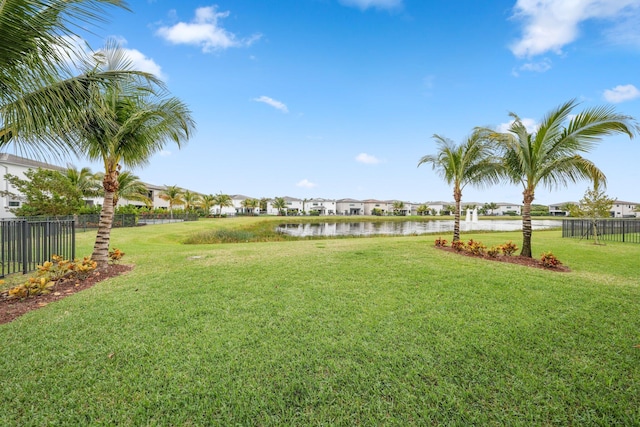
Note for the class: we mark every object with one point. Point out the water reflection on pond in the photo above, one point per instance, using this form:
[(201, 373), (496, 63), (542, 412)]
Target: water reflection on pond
[(364, 228)]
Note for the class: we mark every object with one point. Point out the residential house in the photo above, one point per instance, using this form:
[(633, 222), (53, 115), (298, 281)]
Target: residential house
[(322, 206), (622, 209), (17, 166), (560, 209), (349, 207), (508, 209)]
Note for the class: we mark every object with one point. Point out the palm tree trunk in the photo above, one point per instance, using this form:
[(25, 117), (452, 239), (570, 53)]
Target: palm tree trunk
[(457, 196), (101, 247), (526, 223)]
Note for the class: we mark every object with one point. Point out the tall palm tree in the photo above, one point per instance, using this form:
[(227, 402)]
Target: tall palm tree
[(551, 156), (190, 199), (41, 99), (222, 201), (471, 162), (206, 203), (173, 195), (143, 118)]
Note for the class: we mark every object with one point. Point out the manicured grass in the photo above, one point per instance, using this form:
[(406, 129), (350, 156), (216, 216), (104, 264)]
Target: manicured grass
[(375, 331)]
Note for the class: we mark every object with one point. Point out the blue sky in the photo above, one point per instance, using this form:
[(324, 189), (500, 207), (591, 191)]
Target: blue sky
[(340, 98)]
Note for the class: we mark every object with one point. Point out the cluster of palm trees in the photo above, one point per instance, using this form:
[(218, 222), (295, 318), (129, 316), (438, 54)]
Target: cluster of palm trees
[(106, 111), (191, 201), (550, 156)]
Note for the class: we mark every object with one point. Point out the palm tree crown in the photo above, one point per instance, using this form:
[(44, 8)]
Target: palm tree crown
[(551, 156), (471, 162)]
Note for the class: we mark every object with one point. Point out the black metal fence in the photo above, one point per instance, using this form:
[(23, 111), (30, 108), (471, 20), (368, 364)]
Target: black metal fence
[(27, 244), (612, 230)]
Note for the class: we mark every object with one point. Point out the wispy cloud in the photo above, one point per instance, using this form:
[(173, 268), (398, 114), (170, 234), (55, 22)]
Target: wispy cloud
[(305, 183), (377, 4), (530, 124), (367, 159), (205, 31), (272, 102), (536, 67), (549, 25), (621, 93), (164, 153)]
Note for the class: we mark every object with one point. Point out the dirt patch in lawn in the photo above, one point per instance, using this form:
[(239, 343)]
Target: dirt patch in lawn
[(10, 309)]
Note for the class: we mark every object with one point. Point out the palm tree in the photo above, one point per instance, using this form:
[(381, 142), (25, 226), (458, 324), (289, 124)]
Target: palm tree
[(190, 199), (173, 195), (250, 205), (280, 204), (142, 119), (551, 155), (41, 100), (490, 207), (222, 201), (206, 202), (471, 162), (84, 180), (130, 188), (398, 207)]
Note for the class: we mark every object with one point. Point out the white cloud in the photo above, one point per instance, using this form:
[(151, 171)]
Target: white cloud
[(275, 104), (378, 4), (621, 93), (367, 159), (78, 50), (305, 183), (204, 31), (551, 24), (164, 153), (537, 67), (530, 124)]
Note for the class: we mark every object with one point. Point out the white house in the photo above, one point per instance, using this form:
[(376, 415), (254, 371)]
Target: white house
[(322, 206), (622, 209), (350, 207), (560, 209), (17, 166), (371, 204), (505, 208)]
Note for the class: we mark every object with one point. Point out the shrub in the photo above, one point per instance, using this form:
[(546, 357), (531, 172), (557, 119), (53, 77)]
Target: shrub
[(115, 255), (458, 245), (548, 259), (493, 251), (508, 248), (440, 242), (50, 273), (476, 248)]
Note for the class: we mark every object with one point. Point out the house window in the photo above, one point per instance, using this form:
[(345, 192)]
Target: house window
[(14, 204)]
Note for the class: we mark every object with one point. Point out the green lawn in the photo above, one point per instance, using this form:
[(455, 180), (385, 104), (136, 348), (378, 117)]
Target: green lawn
[(365, 331)]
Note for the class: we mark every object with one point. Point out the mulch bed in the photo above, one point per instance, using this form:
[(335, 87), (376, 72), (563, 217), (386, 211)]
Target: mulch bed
[(13, 308), (513, 259)]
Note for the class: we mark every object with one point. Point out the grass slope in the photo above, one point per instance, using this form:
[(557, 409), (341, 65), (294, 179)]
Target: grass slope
[(331, 332)]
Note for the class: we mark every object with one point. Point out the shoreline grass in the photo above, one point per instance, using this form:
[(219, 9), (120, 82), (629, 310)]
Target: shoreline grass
[(340, 332)]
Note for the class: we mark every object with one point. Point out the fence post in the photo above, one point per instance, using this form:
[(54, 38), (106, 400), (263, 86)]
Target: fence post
[(25, 242)]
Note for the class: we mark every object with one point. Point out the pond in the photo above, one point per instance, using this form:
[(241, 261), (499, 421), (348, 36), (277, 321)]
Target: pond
[(364, 228)]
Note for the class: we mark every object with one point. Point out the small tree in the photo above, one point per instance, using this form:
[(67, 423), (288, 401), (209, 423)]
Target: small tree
[(593, 206), (45, 192)]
